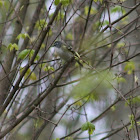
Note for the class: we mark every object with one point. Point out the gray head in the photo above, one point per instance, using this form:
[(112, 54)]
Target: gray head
[(57, 44)]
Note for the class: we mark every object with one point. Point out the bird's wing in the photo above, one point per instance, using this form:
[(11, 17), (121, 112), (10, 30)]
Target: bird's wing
[(69, 48)]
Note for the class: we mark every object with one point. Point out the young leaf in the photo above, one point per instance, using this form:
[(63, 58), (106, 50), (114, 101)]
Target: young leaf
[(132, 121), (13, 46), (41, 24), (47, 68), (31, 53), (120, 79), (56, 2), (88, 126), (60, 16), (116, 9), (129, 67), (120, 45), (136, 79), (65, 2), (113, 108), (42, 46), (23, 54), (1, 3), (27, 73), (92, 11), (106, 22), (69, 36), (23, 36), (138, 123), (33, 76)]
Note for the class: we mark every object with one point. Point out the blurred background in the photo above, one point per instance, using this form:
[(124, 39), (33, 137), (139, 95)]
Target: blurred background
[(43, 97)]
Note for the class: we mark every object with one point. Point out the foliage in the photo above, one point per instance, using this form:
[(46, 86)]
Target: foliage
[(40, 24), (29, 73), (40, 90), (129, 67), (22, 36), (131, 117), (12, 47), (92, 11), (87, 87), (88, 126), (27, 52), (64, 2)]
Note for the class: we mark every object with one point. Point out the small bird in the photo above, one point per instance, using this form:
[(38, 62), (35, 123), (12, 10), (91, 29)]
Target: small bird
[(65, 51)]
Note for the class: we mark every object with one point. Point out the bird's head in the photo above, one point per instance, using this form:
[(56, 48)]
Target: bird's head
[(57, 44)]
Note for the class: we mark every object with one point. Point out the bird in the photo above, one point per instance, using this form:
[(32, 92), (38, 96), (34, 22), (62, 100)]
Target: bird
[(65, 51)]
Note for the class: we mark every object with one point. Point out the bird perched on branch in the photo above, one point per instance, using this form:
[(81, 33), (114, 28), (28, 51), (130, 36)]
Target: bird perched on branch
[(65, 52)]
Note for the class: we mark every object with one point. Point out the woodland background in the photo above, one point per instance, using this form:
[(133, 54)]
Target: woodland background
[(42, 97)]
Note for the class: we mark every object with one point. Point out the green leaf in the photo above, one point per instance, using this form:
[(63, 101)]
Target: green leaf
[(56, 2), (101, 1), (129, 67), (40, 24), (60, 16), (131, 118), (87, 85), (106, 22), (92, 11), (42, 65), (1, 3), (50, 32), (69, 36), (120, 80), (37, 58), (13, 46), (136, 79), (134, 100), (21, 70), (38, 123), (31, 53), (138, 123), (42, 46), (69, 138), (27, 73), (23, 36), (10, 46), (64, 2), (79, 103), (33, 76), (113, 108), (23, 54), (120, 45), (116, 9), (88, 126), (49, 68)]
